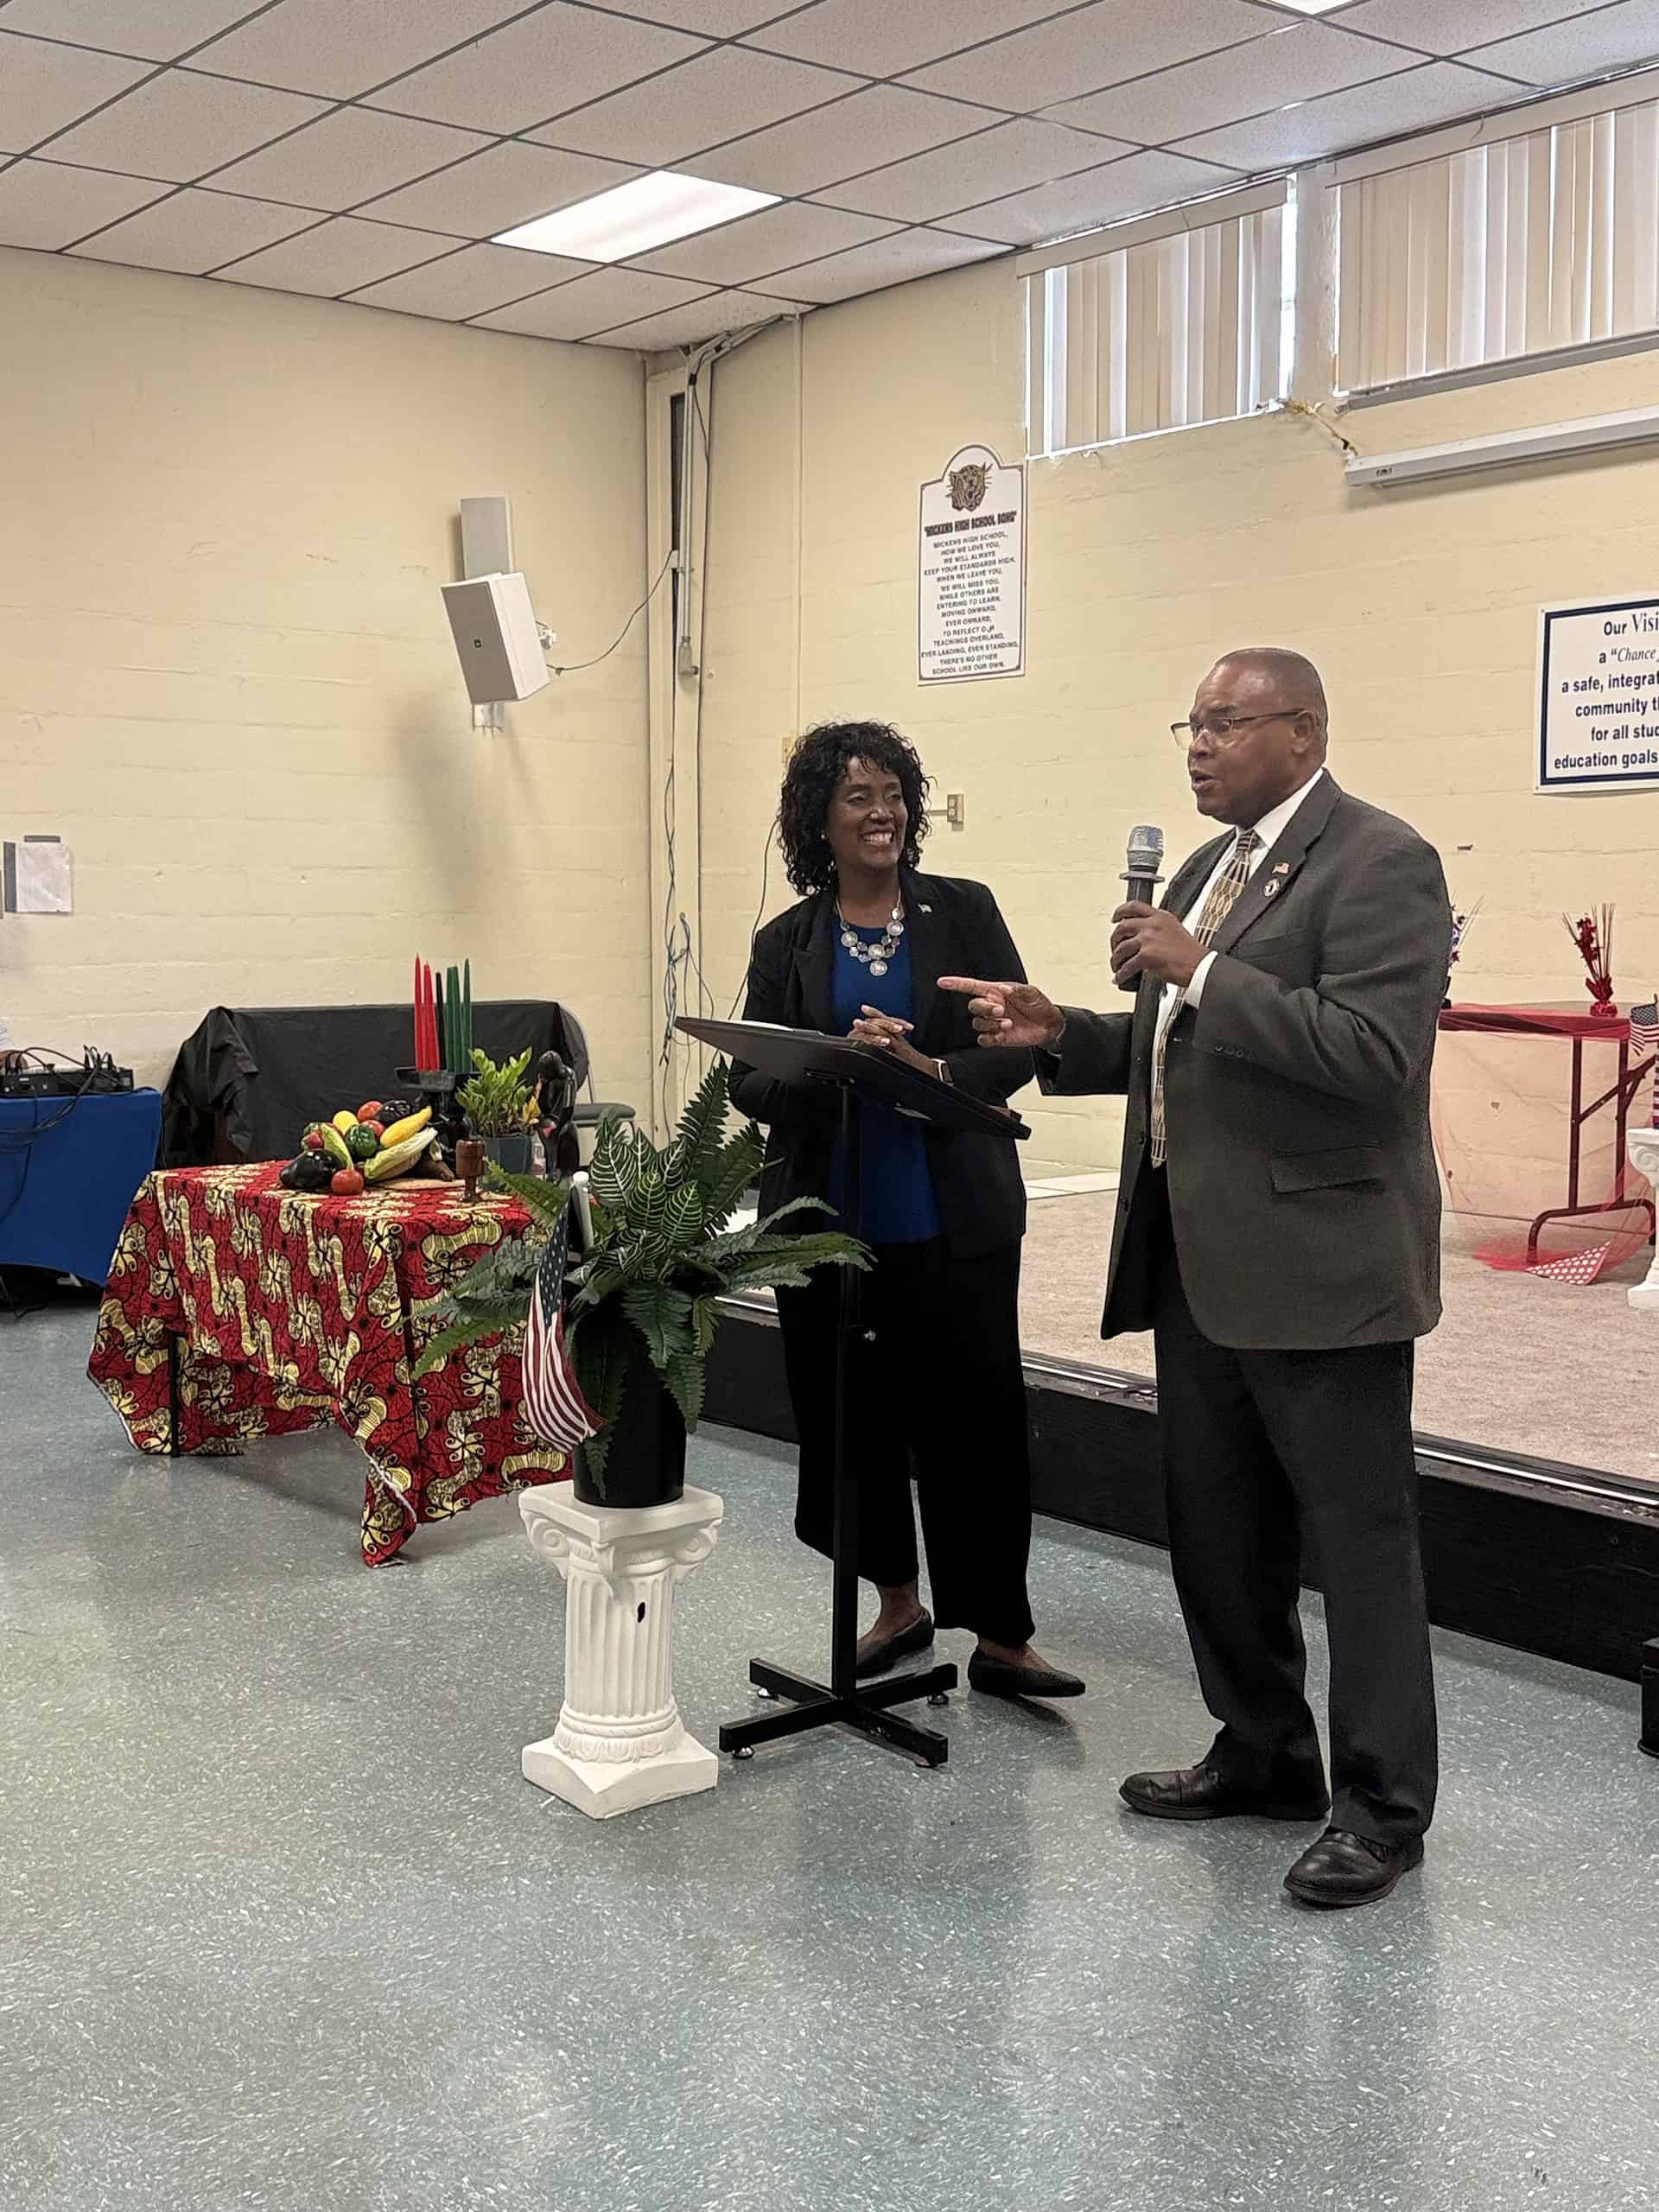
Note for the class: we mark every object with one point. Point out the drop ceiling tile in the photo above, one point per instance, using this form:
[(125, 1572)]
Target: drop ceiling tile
[(529, 70), (775, 238), (319, 46), (591, 303), (1434, 28), (704, 101), (181, 126), (46, 207), (997, 162), (508, 184), (883, 38), (894, 260), (712, 18), (194, 231), (473, 281), (157, 30), (709, 317), (1299, 63), (1413, 101), (43, 88), (1612, 38), (353, 154), (1092, 47), (1130, 187), (336, 257), (866, 131)]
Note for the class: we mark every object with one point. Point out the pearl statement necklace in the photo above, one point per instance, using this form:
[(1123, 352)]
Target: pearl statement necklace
[(874, 956)]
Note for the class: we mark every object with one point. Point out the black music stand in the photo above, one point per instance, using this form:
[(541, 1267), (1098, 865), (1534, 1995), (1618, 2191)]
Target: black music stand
[(799, 1056)]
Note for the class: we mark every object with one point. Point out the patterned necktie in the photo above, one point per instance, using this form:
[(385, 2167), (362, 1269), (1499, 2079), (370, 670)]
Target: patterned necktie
[(1223, 896)]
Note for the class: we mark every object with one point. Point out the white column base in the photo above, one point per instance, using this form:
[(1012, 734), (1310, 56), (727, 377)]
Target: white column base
[(620, 1742), (1642, 1149), (600, 1788)]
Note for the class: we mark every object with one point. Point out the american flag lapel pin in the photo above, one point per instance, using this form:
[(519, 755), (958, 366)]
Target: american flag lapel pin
[(1282, 868)]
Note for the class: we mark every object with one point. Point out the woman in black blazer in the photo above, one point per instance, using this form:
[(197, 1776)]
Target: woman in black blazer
[(861, 956)]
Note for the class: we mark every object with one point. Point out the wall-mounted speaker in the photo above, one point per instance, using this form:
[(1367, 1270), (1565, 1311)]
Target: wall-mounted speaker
[(495, 634)]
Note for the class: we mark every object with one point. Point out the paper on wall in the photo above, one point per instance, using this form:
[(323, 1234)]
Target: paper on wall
[(39, 877)]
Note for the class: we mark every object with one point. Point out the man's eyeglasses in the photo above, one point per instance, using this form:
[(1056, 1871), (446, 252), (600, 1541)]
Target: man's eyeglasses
[(1218, 726)]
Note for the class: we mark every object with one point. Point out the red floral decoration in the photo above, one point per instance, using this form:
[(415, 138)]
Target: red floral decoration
[(1593, 935)]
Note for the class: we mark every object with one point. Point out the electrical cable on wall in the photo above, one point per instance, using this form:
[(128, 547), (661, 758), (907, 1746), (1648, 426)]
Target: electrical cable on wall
[(678, 950), (575, 667), (1316, 414), (674, 957)]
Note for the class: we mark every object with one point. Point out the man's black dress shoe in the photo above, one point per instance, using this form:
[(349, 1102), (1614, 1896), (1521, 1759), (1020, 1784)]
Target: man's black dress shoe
[(1199, 1793), (997, 1678), (892, 1649), (1343, 1868)]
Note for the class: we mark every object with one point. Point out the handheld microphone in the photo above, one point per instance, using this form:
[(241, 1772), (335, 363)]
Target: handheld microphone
[(1143, 871)]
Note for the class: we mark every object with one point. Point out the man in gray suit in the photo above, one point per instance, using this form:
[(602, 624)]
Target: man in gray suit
[(1278, 1229)]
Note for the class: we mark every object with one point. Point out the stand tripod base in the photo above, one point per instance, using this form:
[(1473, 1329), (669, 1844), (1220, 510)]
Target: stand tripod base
[(814, 1705)]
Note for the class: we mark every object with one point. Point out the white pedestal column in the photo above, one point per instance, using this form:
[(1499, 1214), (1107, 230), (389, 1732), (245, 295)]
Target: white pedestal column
[(1641, 1148), (620, 1742)]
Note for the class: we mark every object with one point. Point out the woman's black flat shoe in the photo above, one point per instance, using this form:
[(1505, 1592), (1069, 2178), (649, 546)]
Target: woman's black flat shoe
[(892, 1649), (997, 1678)]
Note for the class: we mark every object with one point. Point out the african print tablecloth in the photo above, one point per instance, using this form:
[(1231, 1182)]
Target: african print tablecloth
[(289, 1313)]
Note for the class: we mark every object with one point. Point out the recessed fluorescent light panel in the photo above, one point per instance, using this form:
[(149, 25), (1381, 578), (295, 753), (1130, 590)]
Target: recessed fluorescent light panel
[(634, 218)]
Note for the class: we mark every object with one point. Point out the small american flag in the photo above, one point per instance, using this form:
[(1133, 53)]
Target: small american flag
[(1644, 1035), (554, 1407)]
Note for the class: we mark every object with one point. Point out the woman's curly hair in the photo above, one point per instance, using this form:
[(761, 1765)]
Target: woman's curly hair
[(816, 768)]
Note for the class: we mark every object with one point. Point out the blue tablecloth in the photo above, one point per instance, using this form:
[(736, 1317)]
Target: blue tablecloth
[(64, 1197)]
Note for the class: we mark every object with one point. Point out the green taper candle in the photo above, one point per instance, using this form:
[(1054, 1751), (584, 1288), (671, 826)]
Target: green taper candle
[(467, 1009)]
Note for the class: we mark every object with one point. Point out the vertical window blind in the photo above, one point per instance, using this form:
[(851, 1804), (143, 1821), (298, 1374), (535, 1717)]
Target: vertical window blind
[(1516, 248), (1162, 333)]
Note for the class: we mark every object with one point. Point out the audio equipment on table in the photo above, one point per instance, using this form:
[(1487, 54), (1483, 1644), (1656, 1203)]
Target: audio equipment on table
[(29, 1075)]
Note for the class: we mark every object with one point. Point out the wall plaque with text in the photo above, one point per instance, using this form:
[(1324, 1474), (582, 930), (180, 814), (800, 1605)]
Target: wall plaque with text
[(971, 612), (1598, 695)]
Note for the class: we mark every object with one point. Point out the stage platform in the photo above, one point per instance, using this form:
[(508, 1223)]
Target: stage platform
[(1535, 1439), (1548, 1370)]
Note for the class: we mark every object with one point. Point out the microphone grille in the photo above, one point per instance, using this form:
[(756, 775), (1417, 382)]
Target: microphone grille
[(1146, 843)]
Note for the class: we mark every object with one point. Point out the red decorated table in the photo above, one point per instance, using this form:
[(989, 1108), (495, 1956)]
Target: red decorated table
[(236, 1310), (1596, 1130)]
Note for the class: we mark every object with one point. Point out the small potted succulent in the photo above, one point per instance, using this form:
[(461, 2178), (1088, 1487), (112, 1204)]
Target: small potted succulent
[(642, 1307), (500, 1109)]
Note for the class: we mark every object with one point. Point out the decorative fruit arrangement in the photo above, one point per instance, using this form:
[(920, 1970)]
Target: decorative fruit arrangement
[(384, 1139)]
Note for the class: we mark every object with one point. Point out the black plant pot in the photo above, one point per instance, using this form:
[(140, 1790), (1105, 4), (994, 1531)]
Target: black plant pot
[(511, 1152), (647, 1462)]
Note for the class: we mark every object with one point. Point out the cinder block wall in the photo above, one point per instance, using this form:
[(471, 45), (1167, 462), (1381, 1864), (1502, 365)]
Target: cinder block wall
[(1147, 561), (227, 680)]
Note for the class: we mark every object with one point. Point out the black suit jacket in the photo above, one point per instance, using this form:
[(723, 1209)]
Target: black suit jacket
[(955, 929), (1302, 1184)]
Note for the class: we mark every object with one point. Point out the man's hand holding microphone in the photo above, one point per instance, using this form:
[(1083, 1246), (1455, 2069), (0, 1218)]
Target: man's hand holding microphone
[(1146, 941)]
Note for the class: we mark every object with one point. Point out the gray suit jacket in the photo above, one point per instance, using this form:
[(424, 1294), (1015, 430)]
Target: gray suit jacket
[(1302, 1182)]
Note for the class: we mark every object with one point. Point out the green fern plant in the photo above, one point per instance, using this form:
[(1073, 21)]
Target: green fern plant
[(664, 1254)]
